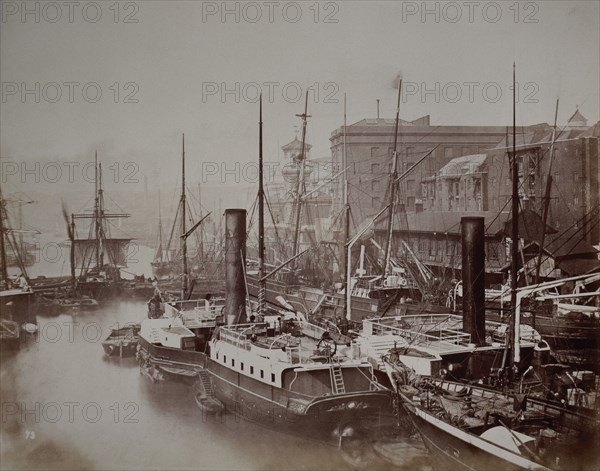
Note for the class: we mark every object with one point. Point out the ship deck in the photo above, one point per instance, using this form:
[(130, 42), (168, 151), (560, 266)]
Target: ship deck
[(303, 349), (196, 314)]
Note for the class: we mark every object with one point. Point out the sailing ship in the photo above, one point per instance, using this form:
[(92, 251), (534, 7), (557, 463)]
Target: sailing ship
[(23, 252), (16, 296), (99, 256), (58, 298), (164, 265)]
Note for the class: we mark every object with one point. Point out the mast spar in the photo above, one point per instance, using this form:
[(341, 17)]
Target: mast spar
[(343, 257), (159, 254), (72, 253), (184, 280), (261, 218), (514, 233), (392, 203), (2, 246), (97, 209), (300, 186)]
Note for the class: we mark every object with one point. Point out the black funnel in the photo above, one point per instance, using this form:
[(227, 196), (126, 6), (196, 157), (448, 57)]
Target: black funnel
[(235, 264), (473, 278)]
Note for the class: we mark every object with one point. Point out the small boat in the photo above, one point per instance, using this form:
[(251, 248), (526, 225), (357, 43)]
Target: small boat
[(122, 340)]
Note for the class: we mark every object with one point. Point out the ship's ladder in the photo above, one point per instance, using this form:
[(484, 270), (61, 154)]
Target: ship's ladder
[(337, 379), (204, 384)]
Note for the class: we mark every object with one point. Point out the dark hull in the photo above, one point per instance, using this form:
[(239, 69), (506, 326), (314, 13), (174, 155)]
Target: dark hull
[(562, 332), (17, 306), (188, 362), (116, 349), (321, 419), (122, 342)]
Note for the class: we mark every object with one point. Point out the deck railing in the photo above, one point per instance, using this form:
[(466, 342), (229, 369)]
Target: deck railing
[(417, 329), (240, 337)]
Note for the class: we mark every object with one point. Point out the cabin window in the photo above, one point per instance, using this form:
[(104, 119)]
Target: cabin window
[(224, 358), (251, 370), (232, 362), (272, 377), (242, 366), (217, 356), (262, 374)]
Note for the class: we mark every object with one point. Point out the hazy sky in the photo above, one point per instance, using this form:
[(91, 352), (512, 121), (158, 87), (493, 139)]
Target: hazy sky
[(175, 61)]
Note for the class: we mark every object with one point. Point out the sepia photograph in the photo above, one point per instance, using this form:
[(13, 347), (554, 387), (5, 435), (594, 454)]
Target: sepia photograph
[(352, 235)]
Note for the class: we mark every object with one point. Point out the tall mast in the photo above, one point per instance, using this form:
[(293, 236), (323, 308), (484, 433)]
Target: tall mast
[(261, 217), (99, 223), (158, 255), (184, 281), (21, 244), (344, 259), (96, 210), (546, 198), (515, 229), (300, 186), (2, 246), (392, 203), (200, 253), (72, 254)]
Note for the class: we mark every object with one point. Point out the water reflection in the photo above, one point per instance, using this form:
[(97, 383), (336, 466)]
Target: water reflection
[(65, 405)]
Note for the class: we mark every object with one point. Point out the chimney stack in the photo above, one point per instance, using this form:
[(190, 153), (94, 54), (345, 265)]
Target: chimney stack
[(473, 278), (235, 265)]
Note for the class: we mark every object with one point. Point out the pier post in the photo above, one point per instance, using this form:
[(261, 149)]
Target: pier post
[(235, 265), (473, 278)]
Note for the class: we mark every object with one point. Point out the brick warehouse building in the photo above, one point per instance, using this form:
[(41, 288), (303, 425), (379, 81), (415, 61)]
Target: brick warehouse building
[(369, 148), (479, 184)]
